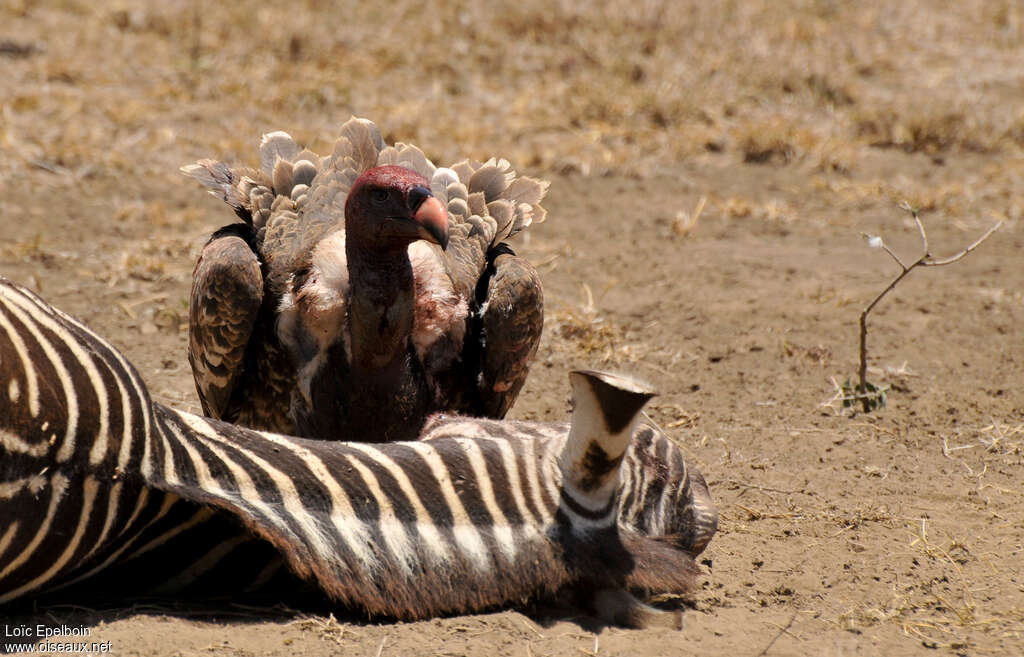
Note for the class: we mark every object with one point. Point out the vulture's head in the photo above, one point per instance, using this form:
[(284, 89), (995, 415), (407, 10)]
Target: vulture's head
[(390, 207)]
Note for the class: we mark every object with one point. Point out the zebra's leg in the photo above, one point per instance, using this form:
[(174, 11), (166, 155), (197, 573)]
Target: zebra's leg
[(620, 608)]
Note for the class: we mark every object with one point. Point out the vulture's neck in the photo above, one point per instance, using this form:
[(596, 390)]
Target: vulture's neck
[(381, 306)]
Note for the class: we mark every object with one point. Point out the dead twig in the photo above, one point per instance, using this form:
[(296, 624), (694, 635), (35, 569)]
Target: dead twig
[(766, 489), (782, 631), (685, 222), (870, 396)]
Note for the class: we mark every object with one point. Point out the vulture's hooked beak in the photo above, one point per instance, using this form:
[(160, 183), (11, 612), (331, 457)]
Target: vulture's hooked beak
[(430, 216)]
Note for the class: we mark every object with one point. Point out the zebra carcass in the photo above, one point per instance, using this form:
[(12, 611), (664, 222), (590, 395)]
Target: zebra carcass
[(98, 481)]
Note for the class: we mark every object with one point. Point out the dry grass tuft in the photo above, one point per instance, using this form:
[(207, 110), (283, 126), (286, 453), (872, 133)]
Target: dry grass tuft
[(589, 332), (928, 132), (327, 629)]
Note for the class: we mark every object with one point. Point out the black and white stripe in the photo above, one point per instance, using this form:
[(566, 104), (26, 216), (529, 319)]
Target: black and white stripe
[(96, 480)]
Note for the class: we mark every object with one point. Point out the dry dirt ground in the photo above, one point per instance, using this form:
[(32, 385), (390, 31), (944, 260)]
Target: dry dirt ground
[(713, 168)]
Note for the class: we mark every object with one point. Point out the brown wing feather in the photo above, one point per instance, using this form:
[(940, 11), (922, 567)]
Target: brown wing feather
[(227, 291), (511, 324)]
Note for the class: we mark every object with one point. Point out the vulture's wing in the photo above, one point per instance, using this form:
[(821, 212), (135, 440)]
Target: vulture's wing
[(240, 375), (227, 291), (510, 321), (488, 203)]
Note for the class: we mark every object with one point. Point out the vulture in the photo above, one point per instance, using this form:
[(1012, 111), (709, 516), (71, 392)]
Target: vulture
[(364, 290)]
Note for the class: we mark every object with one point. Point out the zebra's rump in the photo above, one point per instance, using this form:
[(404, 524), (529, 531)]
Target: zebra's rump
[(96, 480)]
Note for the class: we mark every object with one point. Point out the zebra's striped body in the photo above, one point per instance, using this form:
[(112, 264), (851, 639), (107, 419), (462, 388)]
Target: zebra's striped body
[(97, 479)]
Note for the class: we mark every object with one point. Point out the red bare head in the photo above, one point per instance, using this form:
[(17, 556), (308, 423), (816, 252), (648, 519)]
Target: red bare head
[(392, 206)]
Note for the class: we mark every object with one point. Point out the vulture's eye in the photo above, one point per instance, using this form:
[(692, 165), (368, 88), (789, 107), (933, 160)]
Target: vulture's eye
[(379, 196)]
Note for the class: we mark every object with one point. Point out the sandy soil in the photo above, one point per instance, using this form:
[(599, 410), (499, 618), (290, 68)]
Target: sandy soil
[(792, 126)]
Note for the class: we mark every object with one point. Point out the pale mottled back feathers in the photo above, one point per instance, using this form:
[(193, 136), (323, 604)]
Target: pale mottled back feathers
[(489, 196)]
